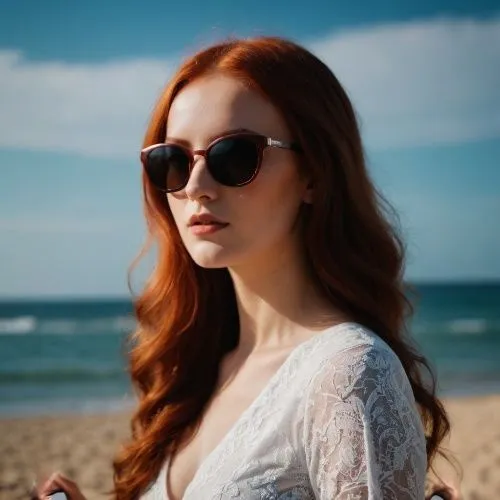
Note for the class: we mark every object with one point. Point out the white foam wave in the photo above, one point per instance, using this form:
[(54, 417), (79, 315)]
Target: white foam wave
[(66, 326), (18, 326), (468, 326), (456, 326), (58, 326)]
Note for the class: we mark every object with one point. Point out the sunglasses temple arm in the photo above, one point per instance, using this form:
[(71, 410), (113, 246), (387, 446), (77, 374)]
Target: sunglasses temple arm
[(279, 144)]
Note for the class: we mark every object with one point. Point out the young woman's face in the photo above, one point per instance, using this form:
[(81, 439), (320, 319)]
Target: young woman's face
[(260, 216)]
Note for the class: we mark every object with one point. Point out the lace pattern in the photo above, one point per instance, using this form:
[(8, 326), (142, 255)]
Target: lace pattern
[(337, 421), (363, 437)]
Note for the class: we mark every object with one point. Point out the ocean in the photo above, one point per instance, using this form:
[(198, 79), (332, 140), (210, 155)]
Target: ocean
[(68, 356)]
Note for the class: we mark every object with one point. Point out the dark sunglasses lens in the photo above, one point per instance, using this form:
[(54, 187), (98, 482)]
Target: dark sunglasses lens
[(168, 167), (233, 161)]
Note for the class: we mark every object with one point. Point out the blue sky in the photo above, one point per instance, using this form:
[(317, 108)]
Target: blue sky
[(78, 81)]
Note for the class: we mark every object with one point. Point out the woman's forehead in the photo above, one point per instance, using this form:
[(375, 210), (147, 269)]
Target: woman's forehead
[(214, 104)]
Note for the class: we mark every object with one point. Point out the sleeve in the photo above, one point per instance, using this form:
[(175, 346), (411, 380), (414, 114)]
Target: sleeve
[(363, 435)]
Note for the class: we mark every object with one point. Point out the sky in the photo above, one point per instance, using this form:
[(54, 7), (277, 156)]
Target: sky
[(78, 82)]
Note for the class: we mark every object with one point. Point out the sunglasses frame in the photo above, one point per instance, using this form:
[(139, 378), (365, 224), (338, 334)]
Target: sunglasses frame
[(261, 141)]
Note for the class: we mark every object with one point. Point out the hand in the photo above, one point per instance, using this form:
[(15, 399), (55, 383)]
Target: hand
[(59, 482)]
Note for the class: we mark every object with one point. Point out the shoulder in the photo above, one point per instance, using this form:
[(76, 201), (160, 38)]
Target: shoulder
[(351, 358), (348, 341), (362, 388), (362, 433)]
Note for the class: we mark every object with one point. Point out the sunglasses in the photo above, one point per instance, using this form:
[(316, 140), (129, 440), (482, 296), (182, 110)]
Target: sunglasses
[(232, 160)]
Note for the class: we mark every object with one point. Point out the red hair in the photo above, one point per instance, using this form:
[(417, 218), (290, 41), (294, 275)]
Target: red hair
[(354, 253)]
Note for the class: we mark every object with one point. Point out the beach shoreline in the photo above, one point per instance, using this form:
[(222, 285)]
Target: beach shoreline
[(83, 446)]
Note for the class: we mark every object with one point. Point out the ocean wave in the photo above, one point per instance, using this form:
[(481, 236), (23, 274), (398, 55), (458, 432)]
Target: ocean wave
[(456, 326), (468, 326), (62, 375), (23, 325), (17, 326)]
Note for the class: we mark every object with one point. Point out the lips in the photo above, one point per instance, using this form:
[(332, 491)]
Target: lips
[(205, 219), (209, 223), (205, 224), (207, 229)]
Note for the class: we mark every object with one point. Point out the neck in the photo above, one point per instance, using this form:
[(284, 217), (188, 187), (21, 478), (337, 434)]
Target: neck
[(278, 302)]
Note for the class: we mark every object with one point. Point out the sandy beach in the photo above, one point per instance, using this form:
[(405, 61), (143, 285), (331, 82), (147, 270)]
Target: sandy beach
[(82, 446)]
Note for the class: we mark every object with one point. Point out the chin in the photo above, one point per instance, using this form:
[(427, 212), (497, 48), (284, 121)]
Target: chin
[(210, 256)]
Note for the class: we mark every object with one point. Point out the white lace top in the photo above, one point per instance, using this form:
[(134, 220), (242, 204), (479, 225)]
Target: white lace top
[(338, 420)]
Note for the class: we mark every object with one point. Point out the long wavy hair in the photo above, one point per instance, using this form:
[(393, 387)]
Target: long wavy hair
[(352, 246)]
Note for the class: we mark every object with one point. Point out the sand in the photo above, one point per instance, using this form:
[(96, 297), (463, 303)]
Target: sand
[(82, 446)]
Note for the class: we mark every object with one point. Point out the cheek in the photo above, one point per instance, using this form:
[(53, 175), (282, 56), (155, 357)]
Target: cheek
[(177, 210), (272, 205)]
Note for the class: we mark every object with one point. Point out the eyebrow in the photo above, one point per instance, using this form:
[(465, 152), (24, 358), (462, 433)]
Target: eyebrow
[(212, 138)]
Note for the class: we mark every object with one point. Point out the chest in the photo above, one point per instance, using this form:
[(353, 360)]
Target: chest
[(238, 389)]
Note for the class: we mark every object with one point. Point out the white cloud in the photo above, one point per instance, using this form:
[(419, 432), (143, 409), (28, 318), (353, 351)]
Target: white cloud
[(414, 83), (91, 109), (421, 83)]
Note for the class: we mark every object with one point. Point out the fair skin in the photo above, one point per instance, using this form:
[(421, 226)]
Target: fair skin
[(279, 307), (261, 249), (278, 304)]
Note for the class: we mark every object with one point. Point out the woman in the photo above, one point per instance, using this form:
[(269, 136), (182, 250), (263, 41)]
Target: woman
[(271, 359)]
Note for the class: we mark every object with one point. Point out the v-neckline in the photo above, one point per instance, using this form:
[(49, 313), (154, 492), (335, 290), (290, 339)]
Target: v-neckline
[(246, 412)]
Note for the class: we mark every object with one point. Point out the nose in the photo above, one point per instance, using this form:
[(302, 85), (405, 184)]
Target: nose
[(200, 184)]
